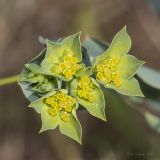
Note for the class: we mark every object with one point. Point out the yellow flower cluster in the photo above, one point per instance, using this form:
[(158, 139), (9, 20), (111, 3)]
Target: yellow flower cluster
[(61, 104), (107, 72), (85, 89), (68, 67)]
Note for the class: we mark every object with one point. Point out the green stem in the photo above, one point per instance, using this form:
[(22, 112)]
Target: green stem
[(8, 80)]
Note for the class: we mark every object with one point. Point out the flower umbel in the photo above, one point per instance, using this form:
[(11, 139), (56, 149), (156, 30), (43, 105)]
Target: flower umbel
[(115, 69), (69, 66), (61, 80), (107, 72), (85, 88), (61, 104), (58, 109), (62, 59), (87, 92)]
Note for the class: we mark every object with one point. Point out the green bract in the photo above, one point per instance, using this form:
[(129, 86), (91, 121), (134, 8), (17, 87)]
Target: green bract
[(88, 93), (33, 83), (62, 58), (55, 111), (115, 69), (61, 78)]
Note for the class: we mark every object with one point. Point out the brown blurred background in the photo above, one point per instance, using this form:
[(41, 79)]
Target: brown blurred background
[(126, 135)]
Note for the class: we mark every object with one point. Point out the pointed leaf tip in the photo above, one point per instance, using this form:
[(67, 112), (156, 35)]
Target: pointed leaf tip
[(71, 129)]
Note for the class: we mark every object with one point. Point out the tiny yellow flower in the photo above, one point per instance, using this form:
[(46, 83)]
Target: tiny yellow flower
[(85, 88), (69, 73), (49, 100), (68, 108), (60, 103), (107, 71), (68, 67), (53, 111), (65, 116), (91, 97), (100, 75)]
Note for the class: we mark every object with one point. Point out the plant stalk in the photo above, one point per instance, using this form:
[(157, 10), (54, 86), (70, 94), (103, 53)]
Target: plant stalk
[(8, 80)]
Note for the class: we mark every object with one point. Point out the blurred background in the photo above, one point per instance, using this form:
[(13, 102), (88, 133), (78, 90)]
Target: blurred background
[(127, 135)]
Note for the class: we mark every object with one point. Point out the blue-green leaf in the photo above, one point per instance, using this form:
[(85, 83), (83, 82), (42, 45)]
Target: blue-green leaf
[(149, 76), (93, 47), (153, 121)]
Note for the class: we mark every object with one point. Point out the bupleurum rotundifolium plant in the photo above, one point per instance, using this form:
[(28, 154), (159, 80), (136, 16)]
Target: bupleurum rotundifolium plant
[(59, 81)]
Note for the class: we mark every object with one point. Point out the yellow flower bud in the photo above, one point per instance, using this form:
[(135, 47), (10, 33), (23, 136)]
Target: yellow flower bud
[(108, 78), (85, 88), (60, 102), (100, 68), (69, 74), (92, 98), (80, 93), (68, 108), (65, 116), (117, 82), (54, 104), (53, 111), (100, 75), (49, 100), (106, 72), (69, 66)]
